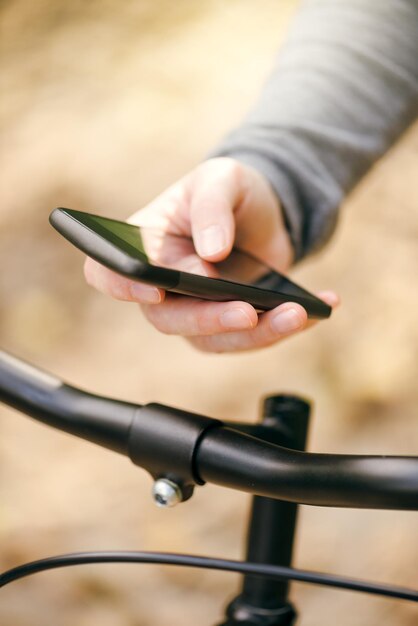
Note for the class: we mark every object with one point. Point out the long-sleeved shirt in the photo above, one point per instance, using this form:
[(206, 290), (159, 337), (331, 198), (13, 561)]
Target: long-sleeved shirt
[(344, 88)]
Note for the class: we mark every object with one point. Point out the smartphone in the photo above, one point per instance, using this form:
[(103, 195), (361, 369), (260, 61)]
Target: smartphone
[(150, 255)]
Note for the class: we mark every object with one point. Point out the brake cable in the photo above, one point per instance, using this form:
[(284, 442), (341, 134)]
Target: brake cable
[(270, 571)]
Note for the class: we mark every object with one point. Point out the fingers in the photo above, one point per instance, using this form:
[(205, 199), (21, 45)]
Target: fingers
[(216, 192), (181, 315), (330, 297), (285, 320), (119, 287), (210, 326)]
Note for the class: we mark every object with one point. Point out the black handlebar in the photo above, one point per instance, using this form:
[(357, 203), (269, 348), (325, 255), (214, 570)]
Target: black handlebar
[(236, 460), (194, 449), (47, 399)]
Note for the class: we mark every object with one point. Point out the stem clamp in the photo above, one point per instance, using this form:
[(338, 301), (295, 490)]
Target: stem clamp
[(164, 441)]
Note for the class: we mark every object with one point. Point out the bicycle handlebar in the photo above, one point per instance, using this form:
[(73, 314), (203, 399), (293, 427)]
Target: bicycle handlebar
[(242, 462), (47, 399), (170, 442)]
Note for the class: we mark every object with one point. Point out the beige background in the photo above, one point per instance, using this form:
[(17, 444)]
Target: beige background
[(103, 104)]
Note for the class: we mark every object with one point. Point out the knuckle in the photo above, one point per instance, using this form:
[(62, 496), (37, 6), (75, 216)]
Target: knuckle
[(154, 317), (161, 327), (262, 337), (220, 167), (196, 319), (200, 325), (206, 345), (199, 344)]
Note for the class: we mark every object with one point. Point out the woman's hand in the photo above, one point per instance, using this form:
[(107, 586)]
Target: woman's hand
[(220, 204)]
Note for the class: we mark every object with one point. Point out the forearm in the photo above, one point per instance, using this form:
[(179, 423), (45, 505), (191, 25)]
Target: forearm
[(344, 88)]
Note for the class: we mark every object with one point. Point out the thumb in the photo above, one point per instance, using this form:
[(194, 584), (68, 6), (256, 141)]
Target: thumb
[(214, 196)]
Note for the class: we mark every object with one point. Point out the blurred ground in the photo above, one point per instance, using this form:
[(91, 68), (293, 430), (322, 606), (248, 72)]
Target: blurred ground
[(103, 104)]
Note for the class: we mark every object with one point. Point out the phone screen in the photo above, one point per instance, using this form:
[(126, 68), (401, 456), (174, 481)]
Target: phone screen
[(174, 251)]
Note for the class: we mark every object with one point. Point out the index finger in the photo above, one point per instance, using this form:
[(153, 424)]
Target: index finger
[(120, 287)]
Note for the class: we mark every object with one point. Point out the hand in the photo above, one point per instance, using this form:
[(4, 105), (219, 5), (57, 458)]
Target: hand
[(220, 204)]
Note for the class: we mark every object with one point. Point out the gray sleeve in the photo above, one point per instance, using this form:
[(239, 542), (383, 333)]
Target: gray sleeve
[(344, 88)]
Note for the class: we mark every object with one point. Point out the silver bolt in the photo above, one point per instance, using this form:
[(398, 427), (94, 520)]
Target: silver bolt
[(166, 493)]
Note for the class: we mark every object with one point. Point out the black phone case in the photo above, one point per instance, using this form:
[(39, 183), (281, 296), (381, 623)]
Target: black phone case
[(131, 263)]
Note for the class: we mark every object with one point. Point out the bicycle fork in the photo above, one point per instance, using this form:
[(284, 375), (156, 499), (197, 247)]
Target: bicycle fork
[(272, 525)]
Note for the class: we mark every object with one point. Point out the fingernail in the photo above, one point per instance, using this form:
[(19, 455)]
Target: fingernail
[(330, 297), (147, 295), (211, 240), (236, 319), (287, 321)]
